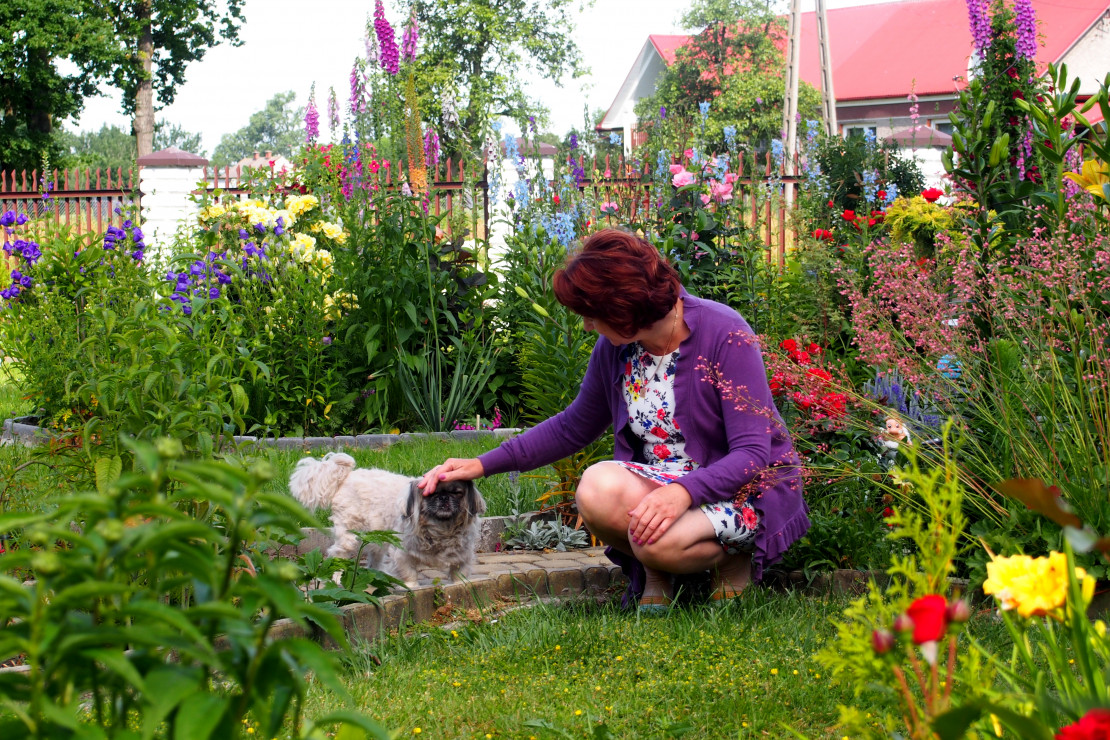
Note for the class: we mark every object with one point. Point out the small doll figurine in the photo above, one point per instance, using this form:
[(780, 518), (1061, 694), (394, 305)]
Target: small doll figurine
[(895, 434)]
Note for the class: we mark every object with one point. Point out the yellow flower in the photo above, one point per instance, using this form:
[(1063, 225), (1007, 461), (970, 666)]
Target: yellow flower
[(1093, 175), (212, 212), (302, 246), (1035, 587), (298, 204), (332, 231)]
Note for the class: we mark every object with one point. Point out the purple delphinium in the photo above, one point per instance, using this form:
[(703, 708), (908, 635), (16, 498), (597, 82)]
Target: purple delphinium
[(333, 110), (979, 18), (1025, 23), (390, 59), (311, 118), (409, 38)]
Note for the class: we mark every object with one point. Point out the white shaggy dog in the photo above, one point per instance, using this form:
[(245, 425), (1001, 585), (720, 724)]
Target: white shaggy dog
[(438, 531)]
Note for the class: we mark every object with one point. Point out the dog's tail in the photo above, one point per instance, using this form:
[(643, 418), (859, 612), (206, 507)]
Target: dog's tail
[(315, 482)]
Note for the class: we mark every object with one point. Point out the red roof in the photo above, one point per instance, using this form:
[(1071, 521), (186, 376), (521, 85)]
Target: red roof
[(878, 51)]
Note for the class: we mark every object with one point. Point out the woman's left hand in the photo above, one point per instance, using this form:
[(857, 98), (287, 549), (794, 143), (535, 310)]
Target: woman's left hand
[(656, 513)]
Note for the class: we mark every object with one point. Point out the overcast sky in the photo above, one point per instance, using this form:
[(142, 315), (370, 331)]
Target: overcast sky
[(286, 48)]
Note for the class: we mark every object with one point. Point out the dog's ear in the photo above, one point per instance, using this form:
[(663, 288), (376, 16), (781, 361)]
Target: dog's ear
[(415, 494), (342, 459), (475, 504)]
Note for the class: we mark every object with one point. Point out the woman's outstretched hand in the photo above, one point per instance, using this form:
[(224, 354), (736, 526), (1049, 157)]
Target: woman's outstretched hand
[(451, 469), (656, 513)]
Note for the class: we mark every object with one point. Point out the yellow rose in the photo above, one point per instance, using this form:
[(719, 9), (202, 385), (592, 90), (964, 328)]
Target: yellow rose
[(298, 204), (1035, 587), (212, 212)]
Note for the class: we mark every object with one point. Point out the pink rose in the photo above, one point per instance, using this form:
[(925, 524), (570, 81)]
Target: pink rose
[(689, 154), (705, 200), (721, 191), (682, 178), (676, 168), (731, 177)]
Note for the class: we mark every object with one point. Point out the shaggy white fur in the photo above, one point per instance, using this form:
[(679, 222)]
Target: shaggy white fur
[(438, 531)]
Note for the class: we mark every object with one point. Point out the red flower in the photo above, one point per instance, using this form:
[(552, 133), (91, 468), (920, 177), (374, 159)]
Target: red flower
[(830, 203), (814, 348), (661, 414), (789, 345), (1017, 94), (880, 194), (1093, 725), (834, 404), (932, 194), (556, 199), (819, 374), (661, 451), (659, 432), (1013, 73), (800, 356), (848, 215), (930, 618), (803, 401), (871, 222), (888, 512), (776, 384)]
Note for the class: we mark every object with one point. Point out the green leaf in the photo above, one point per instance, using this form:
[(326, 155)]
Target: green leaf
[(116, 661), (199, 715)]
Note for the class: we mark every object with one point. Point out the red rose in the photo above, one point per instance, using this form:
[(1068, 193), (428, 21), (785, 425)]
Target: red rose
[(848, 215), (800, 356), (661, 451), (789, 345), (930, 618), (871, 222), (776, 384), (813, 348), (1093, 725), (932, 194), (802, 400), (834, 404)]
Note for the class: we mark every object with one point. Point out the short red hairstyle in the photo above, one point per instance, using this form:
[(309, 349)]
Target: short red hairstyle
[(618, 278)]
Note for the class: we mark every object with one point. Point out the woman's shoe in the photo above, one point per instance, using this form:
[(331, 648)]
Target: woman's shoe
[(654, 605), (724, 593)]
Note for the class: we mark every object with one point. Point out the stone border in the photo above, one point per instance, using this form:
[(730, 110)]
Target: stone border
[(29, 435)]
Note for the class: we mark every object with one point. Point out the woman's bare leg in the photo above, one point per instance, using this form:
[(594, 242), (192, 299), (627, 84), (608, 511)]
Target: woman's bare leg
[(606, 495)]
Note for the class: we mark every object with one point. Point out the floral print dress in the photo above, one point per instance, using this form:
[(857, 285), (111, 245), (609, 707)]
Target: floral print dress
[(648, 387)]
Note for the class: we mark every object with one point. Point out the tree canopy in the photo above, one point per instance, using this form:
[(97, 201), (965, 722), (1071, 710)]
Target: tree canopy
[(480, 51), (278, 127), (113, 148), (735, 63), (56, 53)]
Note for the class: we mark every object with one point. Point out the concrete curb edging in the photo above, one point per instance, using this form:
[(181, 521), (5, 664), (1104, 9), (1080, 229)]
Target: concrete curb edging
[(28, 434)]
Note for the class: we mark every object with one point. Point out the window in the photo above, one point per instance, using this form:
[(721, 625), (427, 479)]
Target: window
[(945, 127), (860, 131)]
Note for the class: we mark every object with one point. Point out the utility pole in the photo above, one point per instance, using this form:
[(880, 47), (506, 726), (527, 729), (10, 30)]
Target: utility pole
[(793, 61)]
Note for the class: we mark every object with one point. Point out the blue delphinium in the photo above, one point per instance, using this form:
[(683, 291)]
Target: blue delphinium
[(615, 138), (703, 110), (870, 185), (891, 193), (730, 137), (889, 390)]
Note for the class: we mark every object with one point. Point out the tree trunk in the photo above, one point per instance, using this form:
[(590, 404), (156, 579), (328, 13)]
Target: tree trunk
[(144, 95)]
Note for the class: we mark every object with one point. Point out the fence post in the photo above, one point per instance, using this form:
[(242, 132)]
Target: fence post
[(166, 180)]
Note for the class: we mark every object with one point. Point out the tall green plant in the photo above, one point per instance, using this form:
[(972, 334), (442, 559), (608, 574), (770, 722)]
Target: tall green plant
[(152, 610)]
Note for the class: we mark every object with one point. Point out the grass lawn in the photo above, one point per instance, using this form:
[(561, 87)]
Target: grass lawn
[(744, 669)]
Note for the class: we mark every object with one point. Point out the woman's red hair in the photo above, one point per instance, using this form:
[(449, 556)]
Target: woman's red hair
[(618, 278)]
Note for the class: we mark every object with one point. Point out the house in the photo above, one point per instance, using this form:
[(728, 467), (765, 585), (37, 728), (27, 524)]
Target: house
[(882, 53), (277, 162)]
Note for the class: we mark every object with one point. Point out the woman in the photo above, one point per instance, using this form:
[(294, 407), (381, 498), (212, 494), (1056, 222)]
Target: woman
[(705, 476)]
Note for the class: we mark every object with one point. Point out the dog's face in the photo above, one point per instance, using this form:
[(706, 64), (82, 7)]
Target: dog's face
[(451, 500)]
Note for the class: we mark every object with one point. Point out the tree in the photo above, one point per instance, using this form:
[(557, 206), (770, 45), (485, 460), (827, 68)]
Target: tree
[(141, 46), (113, 148), (41, 39), (277, 127), (478, 52), (156, 40), (736, 64), (168, 134)]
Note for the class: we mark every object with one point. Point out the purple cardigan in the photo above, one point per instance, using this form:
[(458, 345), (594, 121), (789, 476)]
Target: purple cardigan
[(740, 442)]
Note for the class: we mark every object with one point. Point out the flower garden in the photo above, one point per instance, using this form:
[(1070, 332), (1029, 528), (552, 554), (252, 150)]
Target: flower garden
[(940, 356)]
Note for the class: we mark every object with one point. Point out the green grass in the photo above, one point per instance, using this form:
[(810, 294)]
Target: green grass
[(743, 669), (34, 485)]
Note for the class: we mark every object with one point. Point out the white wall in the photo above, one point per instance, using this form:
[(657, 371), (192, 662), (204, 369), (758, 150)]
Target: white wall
[(166, 204), (1089, 59)]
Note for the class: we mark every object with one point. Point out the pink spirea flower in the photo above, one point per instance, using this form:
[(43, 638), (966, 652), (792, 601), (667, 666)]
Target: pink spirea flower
[(387, 42)]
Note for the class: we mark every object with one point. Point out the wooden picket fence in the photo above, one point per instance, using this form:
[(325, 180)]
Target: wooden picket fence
[(85, 200), (606, 180)]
